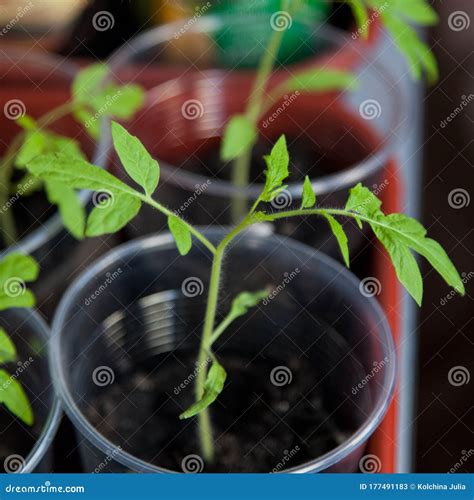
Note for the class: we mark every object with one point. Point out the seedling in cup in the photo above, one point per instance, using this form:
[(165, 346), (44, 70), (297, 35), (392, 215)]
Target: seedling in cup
[(241, 132), (399, 234), (91, 101)]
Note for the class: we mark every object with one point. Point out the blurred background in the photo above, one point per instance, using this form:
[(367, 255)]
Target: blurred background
[(442, 418)]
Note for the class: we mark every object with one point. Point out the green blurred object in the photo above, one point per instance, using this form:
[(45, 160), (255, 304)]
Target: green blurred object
[(243, 41)]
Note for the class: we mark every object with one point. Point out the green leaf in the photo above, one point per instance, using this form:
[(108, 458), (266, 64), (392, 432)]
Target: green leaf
[(401, 234), (181, 234), (19, 265), (76, 173), (246, 300), (64, 145), (212, 388), (362, 201), (361, 16), (308, 199), (15, 270), (418, 11), (89, 121), (27, 185), (118, 101), (7, 348), (239, 136), (112, 215), (26, 122), (277, 170), (88, 82), (42, 142), (417, 53), (14, 398), (138, 163), (340, 235), (321, 80), (69, 206), (33, 145)]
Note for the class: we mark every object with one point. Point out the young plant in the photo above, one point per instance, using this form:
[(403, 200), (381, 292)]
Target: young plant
[(241, 132), (399, 234), (15, 270), (91, 100)]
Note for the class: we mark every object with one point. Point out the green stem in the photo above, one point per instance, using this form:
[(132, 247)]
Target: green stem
[(221, 328), (240, 180), (241, 165), (204, 421)]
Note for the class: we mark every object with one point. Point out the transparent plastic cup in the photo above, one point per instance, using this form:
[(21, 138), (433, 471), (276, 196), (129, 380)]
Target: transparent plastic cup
[(34, 84), (135, 317), (338, 139), (24, 448)]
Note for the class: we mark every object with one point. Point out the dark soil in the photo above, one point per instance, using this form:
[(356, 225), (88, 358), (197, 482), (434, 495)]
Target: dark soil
[(258, 426)]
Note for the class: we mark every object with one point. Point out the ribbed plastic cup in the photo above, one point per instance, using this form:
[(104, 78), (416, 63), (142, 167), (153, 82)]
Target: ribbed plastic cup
[(29, 448), (140, 308)]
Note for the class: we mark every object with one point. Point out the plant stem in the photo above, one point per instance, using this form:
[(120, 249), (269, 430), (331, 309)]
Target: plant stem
[(204, 421), (241, 165)]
